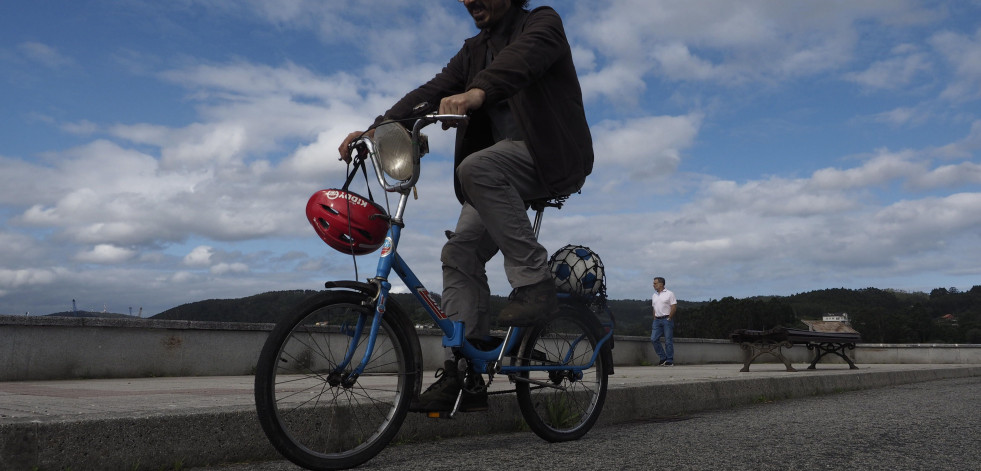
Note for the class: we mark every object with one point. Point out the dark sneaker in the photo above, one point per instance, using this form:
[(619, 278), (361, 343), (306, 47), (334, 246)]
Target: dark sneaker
[(669, 363), (530, 305), (662, 362), (441, 395)]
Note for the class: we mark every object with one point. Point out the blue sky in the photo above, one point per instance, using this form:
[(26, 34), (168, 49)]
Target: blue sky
[(159, 153)]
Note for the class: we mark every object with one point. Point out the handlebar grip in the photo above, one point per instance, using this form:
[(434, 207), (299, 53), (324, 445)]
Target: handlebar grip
[(446, 117)]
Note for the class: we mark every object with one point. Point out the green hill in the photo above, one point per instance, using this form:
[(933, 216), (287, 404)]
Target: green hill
[(884, 316)]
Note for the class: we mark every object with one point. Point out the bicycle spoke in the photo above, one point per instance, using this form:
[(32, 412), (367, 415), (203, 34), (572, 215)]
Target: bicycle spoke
[(316, 412)]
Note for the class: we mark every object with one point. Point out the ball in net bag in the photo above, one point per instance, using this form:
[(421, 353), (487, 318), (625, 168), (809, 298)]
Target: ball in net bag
[(577, 270)]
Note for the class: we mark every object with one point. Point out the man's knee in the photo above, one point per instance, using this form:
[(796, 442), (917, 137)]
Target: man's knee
[(452, 253), (459, 255), (476, 168)]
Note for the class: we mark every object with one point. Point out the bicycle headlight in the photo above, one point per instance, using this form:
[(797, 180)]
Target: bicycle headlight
[(394, 149)]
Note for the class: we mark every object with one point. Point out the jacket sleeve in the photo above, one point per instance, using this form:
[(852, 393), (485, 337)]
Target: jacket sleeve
[(526, 59)]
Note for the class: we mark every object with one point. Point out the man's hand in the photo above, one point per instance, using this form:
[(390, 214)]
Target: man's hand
[(345, 148), (461, 104)]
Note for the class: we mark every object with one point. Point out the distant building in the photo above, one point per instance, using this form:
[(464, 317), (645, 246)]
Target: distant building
[(831, 322), (948, 319)]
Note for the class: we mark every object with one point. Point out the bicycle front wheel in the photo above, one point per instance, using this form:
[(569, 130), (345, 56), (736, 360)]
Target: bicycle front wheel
[(562, 404), (307, 404)]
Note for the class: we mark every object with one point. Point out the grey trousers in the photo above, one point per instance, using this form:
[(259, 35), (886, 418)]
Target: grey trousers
[(496, 182)]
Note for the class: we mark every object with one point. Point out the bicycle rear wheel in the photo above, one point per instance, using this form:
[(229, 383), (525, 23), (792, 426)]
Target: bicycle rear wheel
[(561, 405), (309, 412)]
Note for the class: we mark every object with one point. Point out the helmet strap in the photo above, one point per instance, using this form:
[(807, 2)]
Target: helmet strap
[(358, 162)]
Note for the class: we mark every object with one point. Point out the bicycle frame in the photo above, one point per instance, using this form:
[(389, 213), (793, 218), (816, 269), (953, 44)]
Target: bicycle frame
[(335, 378), (483, 361)]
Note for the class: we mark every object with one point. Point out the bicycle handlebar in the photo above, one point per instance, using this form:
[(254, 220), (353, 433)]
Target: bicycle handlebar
[(419, 145)]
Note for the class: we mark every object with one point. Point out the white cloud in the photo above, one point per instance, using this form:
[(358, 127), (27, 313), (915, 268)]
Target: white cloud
[(83, 127), (105, 254), (901, 116), (44, 54), (646, 146), (225, 268), (619, 82), (735, 44), (949, 176), (881, 168), (676, 61), (965, 148), (963, 54), (14, 279), (199, 257), (204, 146), (893, 73)]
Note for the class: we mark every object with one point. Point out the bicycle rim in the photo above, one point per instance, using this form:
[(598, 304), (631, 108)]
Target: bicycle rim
[(570, 404), (310, 415)]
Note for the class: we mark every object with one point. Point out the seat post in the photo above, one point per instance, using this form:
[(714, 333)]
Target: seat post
[(539, 206), (539, 212)]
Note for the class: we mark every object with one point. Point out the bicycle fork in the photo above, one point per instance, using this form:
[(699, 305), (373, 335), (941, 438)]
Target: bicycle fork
[(338, 377)]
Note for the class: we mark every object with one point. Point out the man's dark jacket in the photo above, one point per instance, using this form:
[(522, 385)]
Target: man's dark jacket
[(534, 72)]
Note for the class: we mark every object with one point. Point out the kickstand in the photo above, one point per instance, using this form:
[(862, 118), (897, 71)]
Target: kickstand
[(456, 404)]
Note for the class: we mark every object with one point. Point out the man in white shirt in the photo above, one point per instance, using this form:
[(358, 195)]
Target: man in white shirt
[(664, 305)]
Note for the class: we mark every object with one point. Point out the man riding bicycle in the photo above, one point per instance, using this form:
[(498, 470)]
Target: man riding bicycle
[(526, 138)]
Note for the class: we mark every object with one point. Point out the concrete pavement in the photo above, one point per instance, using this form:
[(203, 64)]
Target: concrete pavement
[(173, 423)]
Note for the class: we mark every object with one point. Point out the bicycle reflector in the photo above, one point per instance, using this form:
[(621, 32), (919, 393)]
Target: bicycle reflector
[(394, 148), (347, 221)]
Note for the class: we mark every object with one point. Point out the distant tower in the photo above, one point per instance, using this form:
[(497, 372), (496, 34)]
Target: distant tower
[(74, 309)]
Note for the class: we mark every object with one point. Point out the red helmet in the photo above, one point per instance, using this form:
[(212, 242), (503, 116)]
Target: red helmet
[(347, 221)]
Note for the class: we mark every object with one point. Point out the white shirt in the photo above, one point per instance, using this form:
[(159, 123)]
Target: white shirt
[(662, 302)]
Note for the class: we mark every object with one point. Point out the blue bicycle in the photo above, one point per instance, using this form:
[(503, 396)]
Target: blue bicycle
[(335, 378)]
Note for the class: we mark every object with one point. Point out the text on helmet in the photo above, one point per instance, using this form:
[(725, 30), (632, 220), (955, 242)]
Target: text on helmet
[(354, 199)]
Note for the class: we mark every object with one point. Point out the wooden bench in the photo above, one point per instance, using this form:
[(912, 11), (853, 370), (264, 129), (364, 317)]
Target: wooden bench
[(755, 343)]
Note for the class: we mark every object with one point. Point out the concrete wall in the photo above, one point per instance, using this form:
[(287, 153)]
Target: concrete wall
[(40, 348), (50, 348)]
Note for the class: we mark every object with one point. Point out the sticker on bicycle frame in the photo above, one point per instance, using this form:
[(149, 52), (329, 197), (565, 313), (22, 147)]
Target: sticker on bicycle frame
[(387, 247), (381, 305), (430, 302)]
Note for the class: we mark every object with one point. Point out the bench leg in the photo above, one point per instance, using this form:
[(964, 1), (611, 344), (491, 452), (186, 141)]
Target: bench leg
[(835, 348), (753, 350)]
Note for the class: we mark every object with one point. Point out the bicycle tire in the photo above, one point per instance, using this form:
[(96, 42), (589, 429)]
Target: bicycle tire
[(558, 415), (309, 417)]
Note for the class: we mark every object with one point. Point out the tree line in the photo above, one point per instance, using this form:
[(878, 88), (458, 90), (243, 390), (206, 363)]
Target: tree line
[(945, 315), (880, 316)]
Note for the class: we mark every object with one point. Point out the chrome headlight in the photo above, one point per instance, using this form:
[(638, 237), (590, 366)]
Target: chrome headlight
[(394, 149)]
